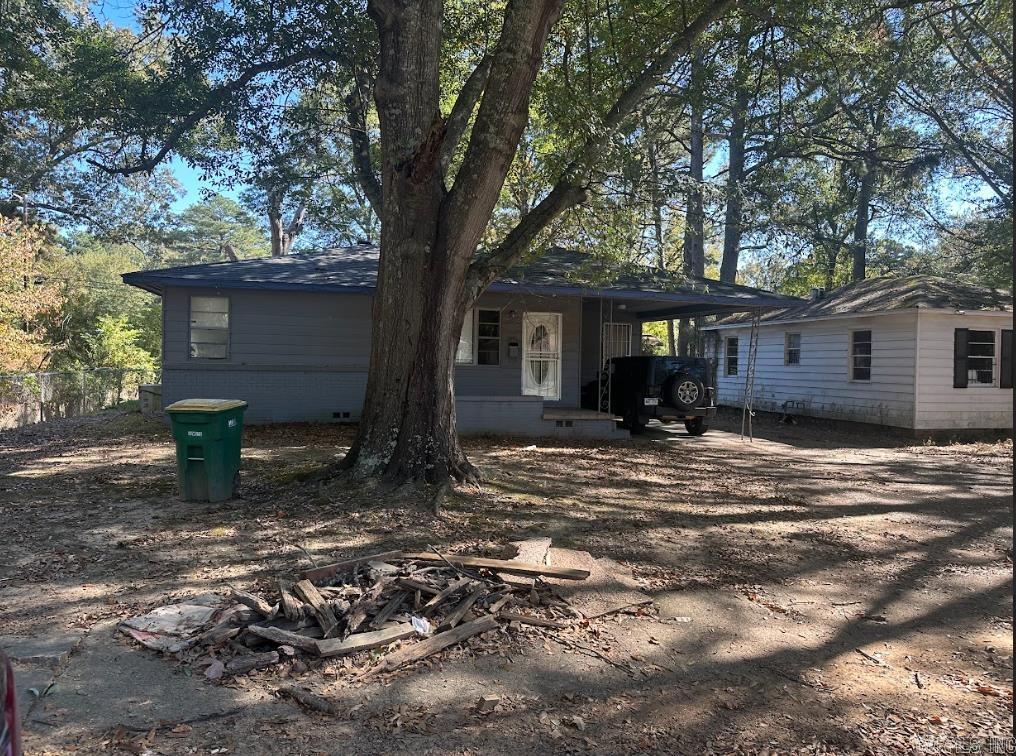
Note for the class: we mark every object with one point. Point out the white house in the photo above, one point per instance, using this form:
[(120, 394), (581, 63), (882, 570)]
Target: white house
[(916, 352)]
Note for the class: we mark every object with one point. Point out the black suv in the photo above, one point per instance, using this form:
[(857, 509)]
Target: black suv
[(665, 388)]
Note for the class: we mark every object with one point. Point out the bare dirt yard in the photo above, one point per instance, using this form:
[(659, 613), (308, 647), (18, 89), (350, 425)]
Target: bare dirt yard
[(818, 590)]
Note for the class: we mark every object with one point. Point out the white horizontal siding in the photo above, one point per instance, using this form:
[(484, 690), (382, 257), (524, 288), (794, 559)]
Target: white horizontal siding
[(939, 405), (821, 385)]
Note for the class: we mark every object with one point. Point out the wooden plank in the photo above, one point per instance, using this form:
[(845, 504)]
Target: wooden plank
[(416, 651), (243, 664), (460, 611), (325, 616), (256, 603), (364, 641), (292, 607), (389, 609), (328, 570), (501, 565), (452, 587), (284, 637), (418, 585)]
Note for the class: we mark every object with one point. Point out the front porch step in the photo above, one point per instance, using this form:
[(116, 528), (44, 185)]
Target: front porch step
[(583, 424)]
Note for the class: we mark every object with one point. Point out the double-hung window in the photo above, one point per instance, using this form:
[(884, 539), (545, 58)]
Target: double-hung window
[(792, 349), (860, 355), (731, 355), (488, 337), (480, 338), (209, 327), (978, 362)]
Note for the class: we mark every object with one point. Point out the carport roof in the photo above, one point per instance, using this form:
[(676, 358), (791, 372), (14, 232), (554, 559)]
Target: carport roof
[(650, 293)]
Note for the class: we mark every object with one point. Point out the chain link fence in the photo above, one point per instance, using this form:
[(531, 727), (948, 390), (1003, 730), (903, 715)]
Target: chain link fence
[(27, 398)]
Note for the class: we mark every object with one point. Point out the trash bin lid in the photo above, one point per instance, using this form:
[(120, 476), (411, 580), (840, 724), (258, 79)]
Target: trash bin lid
[(205, 405)]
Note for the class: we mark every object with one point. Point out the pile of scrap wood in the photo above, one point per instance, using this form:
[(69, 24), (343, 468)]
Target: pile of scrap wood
[(426, 602)]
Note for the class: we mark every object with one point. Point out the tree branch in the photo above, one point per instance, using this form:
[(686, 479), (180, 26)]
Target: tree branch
[(356, 118), (486, 268), (501, 119), (214, 99), (567, 191), (462, 110)]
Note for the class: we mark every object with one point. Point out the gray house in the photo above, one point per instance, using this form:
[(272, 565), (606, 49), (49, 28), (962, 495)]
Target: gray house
[(291, 335)]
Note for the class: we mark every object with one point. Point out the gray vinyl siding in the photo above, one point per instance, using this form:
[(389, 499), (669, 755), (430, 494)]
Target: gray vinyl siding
[(820, 385), (939, 405), (506, 379), (593, 318), (302, 356), (291, 330)]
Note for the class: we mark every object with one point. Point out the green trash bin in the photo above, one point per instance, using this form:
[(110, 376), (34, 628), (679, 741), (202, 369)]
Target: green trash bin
[(207, 434)]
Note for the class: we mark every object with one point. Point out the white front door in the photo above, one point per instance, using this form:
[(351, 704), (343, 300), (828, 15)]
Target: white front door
[(541, 355)]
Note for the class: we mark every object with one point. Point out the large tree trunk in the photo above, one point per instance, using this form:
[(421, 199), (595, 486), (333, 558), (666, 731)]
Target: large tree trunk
[(694, 228), (283, 236), (732, 229), (429, 234), (661, 250), (859, 247)]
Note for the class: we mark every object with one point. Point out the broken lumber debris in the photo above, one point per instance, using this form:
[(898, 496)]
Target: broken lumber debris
[(464, 606), (389, 609), (453, 587), (325, 616), (292, 607), (500, 565), (328, 570), (284, 637), (256, 603), (363, 641), (380, 613), (417, 651), (241, 665)]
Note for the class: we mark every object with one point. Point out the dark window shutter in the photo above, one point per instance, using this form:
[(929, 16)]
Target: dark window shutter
[(1005, 357), (962, 336)]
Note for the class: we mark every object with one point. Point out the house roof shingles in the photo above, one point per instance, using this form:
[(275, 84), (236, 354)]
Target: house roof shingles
[(557, 271), (887, 294)]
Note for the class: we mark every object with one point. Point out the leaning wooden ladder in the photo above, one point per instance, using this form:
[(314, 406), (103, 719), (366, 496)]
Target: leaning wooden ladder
[(749, 378)]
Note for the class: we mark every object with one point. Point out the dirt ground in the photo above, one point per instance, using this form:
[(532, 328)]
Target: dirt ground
[(773, 565)]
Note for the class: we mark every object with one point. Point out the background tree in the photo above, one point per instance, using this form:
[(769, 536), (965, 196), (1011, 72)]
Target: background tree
[(26, 297)]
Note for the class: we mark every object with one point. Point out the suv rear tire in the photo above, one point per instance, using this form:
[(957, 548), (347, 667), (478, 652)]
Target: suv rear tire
[(686, 392)]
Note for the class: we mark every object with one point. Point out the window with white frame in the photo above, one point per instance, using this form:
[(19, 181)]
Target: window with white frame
[(480, 338), (731, 355), (792, 349), (860, 355), (209, 327)]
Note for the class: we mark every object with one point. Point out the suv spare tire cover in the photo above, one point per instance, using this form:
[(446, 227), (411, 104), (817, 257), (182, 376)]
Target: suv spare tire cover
[(685, 391)]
